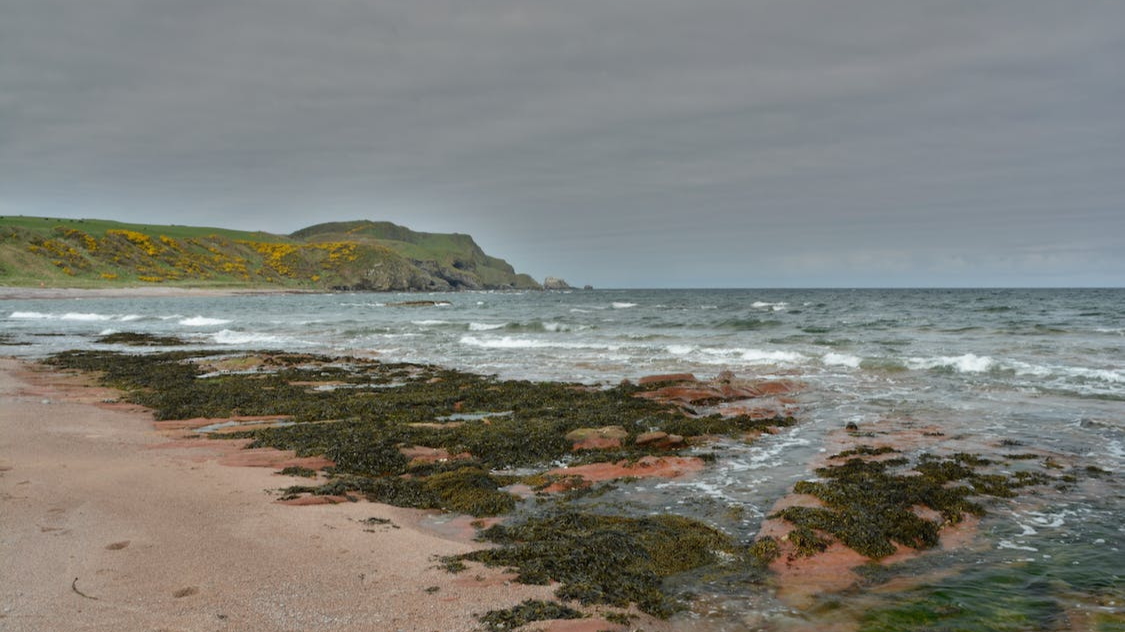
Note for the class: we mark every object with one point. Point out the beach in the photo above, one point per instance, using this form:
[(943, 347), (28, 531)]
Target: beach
[(109, 524), (114, 519)]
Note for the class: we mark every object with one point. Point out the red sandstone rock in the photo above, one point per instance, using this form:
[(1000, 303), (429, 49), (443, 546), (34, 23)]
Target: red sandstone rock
[(670, 377), (754, 412), (775, 387), (646, 467), (683, 394), (659, 439)]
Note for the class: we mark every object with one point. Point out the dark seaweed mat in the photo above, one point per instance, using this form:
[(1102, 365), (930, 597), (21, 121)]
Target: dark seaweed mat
[(868, 505), (600, 559), (141, 339), (527, 612), (370, 423)]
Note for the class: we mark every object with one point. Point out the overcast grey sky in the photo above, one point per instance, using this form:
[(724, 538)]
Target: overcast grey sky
[(631, 143)]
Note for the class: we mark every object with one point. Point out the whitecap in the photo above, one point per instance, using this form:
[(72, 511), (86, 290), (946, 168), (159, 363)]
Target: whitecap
[(1039, 370), (968, 363), (429, 322), (618, 305), (777, 307), (680, 349), (512, 342), (842, 359), (31, 316), (85, 317), (761, 356), (486, 326), (202, 321), (128, 318)]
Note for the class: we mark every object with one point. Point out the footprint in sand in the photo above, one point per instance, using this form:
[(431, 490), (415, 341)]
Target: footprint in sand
[(117, 546)]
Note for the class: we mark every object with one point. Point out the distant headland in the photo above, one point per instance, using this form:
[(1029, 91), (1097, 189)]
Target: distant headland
[(352, 256)]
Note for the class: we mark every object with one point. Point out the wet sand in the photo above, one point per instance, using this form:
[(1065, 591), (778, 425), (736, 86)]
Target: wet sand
[(106, 525)]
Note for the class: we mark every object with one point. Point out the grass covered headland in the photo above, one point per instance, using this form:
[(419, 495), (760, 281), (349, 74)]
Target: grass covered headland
[(433, 438), (358, 255)]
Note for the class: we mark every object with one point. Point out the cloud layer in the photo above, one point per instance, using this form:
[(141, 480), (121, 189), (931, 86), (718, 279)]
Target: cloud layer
[(619, 143)]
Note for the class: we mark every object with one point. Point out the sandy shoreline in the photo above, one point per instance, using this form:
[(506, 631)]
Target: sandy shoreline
[(102, 532)]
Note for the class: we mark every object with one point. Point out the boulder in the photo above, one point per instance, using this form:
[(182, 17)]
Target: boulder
[(660, 440), (668, 377)]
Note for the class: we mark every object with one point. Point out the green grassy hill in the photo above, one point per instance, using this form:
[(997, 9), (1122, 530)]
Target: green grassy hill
[(360, 255)]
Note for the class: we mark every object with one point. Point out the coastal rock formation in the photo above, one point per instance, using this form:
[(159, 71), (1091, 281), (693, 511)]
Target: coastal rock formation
[(555, 283)]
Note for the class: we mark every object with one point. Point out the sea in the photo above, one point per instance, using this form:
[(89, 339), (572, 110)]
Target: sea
[(995, 370)]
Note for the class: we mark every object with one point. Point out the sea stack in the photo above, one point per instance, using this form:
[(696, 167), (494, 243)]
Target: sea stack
[(554, 283)]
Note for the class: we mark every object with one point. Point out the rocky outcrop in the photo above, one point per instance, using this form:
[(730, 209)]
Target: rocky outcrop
[(555, 283)]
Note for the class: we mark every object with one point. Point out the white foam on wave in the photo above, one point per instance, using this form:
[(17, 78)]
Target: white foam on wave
[(429, 322), (29, 316), (514, 342), (1040, 370), (727, 355), (230, 337), (761, 356), (742, 472), (203, 321), (621, 305), (75, 316), (486, 326), (776, 307), (968, 363), (842, 359), (680, 349), (83, 317), (557, 327)]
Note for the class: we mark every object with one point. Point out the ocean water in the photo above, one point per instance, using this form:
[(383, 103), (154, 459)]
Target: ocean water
[(994, 370)]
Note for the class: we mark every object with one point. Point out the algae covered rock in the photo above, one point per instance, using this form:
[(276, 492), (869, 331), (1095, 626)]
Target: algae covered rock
[(597, 438)]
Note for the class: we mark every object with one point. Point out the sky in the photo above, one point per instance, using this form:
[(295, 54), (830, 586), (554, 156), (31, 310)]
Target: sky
[(618, 143)]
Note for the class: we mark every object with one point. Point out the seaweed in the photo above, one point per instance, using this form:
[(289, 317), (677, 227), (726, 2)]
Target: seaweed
[(865, 450), (527, 612), (765, 550), (599, 559), (140, 339), (470, 490), (869, 508), (391, 406)]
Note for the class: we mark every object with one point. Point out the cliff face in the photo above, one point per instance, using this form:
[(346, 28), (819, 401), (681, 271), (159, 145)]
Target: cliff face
[(362, 255)]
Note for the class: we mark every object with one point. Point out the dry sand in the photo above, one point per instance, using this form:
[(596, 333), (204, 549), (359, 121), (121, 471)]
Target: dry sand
[(98, 531)]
